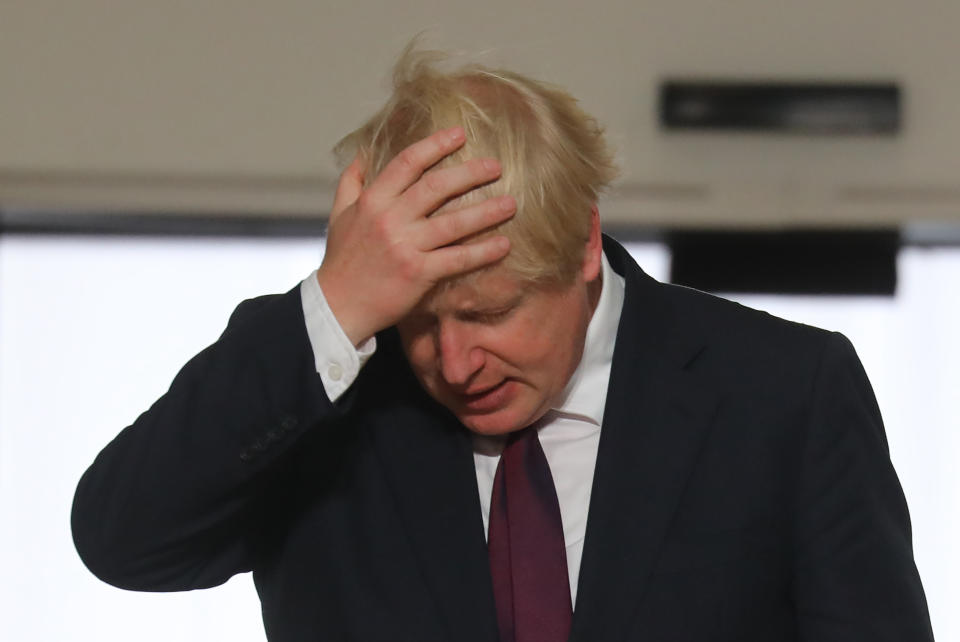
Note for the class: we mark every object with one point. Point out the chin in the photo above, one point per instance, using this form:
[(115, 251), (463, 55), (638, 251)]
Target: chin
[(490, 429), (501, 422)]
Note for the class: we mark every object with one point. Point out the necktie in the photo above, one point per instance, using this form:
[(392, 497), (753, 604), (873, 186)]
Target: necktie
[(528, 561)]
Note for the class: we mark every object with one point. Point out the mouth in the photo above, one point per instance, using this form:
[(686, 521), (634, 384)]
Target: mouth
[(488, 399), (478, 391)]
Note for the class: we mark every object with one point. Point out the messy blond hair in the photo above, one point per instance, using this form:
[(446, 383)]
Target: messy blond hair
[(554, 157)]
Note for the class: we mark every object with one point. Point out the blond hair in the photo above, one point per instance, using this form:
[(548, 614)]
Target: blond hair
[(554, 157)]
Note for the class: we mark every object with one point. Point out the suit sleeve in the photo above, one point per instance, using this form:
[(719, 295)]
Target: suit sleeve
[(855, 577), (177, 499)]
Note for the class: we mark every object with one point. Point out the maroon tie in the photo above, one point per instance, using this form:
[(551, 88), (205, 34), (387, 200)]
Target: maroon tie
[(528, 559)]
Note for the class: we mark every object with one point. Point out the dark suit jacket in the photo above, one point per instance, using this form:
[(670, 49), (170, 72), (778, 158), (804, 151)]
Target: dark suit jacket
[(743, 488)]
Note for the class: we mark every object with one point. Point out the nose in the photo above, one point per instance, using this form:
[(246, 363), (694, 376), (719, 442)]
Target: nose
[(460, 356)]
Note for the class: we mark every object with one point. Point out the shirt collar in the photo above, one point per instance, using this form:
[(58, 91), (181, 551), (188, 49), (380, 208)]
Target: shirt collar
[(586, 392)]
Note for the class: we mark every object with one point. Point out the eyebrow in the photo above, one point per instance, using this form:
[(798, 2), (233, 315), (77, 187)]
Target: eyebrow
[(493, 307)]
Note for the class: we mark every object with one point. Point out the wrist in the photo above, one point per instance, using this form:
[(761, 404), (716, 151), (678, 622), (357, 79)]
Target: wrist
[(343, 305)]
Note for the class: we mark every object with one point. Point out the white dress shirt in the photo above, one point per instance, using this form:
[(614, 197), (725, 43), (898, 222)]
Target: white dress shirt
[(569, 432)]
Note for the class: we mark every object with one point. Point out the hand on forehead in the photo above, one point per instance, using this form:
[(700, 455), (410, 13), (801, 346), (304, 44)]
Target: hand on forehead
[(385, 250)]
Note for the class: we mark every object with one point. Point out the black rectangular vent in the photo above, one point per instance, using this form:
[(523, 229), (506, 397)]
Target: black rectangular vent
[(803, 108)]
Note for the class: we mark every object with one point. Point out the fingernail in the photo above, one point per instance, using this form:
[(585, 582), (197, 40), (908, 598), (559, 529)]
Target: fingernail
[(456, 134), (491, 165), (507, 204)]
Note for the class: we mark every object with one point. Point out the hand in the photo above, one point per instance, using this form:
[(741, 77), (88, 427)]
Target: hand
[(384, 251)]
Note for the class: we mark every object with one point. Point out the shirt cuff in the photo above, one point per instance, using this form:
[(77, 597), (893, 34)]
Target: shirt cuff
[(337, 361)]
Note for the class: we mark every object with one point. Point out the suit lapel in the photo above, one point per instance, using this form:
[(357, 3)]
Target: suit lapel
[(655, 418), (428, 461)]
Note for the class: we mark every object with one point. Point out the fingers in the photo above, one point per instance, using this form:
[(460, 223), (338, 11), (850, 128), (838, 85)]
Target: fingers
[(406, 183), (349, 187), (447, 228), (465, 257), (440, 185), (407, 166)]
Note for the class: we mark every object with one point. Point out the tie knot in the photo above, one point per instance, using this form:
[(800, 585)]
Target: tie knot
[(522, 435), (524, 445)]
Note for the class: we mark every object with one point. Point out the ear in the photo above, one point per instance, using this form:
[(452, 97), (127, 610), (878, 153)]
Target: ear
[(592, 260)]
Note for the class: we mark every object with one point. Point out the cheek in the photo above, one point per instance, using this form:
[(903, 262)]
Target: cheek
[(529, 345), (556, 345)]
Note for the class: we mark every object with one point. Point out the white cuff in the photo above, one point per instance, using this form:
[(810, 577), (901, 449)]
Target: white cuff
[(337, 361)]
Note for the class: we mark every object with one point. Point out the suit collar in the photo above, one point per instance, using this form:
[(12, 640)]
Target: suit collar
[(657, 413)]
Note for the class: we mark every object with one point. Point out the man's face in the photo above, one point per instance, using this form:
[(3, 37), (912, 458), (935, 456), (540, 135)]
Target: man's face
[(497, 352)]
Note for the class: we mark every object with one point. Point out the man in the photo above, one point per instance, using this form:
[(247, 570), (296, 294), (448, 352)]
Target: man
[(480, 420)]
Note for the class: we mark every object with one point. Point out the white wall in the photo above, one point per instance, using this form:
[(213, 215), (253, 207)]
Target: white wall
[(185, 104), (91, 332)]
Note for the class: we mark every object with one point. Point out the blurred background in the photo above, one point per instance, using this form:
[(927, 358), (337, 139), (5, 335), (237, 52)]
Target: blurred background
[(160, 162)]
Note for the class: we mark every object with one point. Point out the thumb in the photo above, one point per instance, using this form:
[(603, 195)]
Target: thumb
[(349, 187)]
